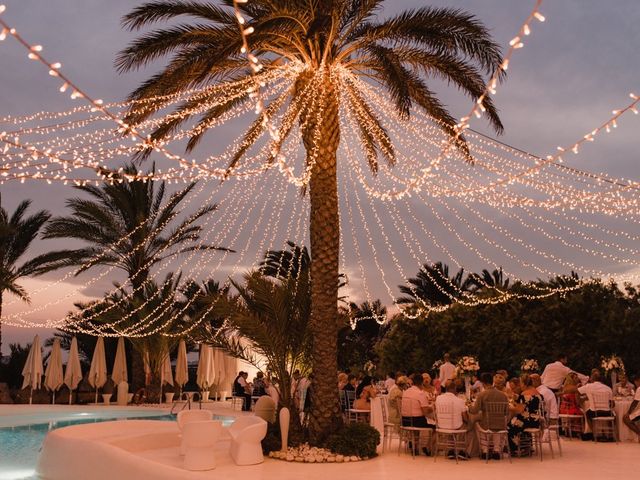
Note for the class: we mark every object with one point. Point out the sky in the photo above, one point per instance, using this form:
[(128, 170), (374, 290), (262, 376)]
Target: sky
[(575, 68)]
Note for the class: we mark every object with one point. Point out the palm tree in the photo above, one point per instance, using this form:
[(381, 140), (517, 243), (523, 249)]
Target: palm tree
[(494, 280), (433, 286), (286, 263), (127, 225), (327, 44), (356, 343), (17, 232), (268, 320)]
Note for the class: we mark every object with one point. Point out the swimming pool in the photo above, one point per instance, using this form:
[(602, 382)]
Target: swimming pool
[(21, 436)]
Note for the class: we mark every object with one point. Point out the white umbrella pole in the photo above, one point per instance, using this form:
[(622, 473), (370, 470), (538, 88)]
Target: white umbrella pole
[(70, 396), (54, 398), (31, 396)]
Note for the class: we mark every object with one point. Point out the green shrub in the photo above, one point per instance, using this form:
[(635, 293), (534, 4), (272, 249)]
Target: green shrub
[(272, 441), (359, 439)]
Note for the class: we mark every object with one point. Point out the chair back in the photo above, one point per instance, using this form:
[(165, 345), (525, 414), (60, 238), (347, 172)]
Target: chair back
[(385, 408), (187, 416), (497, 415), (601, 401), (444, 415), (265, 408), (351, 397)]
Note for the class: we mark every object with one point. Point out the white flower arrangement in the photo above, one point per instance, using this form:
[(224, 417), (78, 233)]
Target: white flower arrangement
[(468, 365), (529, 365), (612, 363), (436, 365)]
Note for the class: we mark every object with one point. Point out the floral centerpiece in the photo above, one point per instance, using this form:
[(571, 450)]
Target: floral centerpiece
[(436, 366), (468, 365), (612, 363), (529, 365)]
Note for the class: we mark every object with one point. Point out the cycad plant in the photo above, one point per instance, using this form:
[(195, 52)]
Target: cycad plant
[(327, 45)]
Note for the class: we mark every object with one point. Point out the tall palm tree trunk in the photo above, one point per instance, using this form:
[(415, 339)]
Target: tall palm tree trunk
[(325, 250)]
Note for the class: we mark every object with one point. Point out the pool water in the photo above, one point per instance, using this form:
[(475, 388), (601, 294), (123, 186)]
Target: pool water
[(19, 445)]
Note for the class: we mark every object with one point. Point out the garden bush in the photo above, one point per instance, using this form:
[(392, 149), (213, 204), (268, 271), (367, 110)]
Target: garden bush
[(359, 439)]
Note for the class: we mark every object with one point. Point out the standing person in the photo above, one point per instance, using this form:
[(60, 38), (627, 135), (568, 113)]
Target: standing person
[(554, 373), (446, 370)]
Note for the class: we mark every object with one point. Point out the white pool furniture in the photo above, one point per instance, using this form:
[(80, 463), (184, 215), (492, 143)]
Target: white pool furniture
[(199, 439), (246, 434), (265, 408), (188, 416)]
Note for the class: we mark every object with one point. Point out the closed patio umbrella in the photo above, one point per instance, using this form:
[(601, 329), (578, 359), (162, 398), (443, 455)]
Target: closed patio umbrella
[(119, 372), (205, 367), (32, 371), (182, 369), (220, 369), (165, 373), (73, 372), (98, 370), (53, 377)]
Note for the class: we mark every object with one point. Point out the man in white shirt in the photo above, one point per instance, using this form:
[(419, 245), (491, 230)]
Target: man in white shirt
[(554, 374), (600, 397), (415, 405), (632, 418), (460, 416), (550, 401), (446, 371)]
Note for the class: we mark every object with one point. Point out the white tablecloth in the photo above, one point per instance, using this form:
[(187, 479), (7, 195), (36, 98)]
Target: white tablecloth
[(621, 408), (376, 419)]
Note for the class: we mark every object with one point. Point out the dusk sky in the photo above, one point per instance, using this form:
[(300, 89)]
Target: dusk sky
[(574, 69)]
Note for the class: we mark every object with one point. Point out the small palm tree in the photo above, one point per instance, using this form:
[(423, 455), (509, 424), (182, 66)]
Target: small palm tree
[(327, 45), (130, 225), (433, 286), (17, 233)]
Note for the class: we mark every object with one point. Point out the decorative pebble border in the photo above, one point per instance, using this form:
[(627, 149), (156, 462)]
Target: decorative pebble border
[(307, 454)]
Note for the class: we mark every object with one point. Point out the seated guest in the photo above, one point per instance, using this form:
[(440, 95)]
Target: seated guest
[(364, 393), (415, 405), (632, 418), (342, 380), (489, 394), (593, 388), (476, 385), (526, 411), (500, 383), (624, 388), (259, 385), (390, 381), (550, 402), (395, 399), (241, 389), (460, 417), (514, 388), (569, 398), (351, 383), (429, 389)]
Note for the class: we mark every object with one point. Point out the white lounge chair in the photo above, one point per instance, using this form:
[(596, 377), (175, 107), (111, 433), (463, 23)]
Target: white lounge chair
[(246, 434), (199, 439), (188, 416)]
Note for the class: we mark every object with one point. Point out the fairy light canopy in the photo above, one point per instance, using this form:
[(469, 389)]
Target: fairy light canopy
[(533, 216)]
